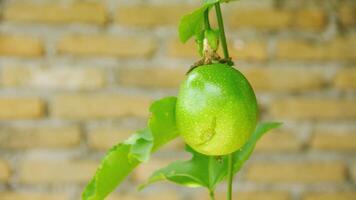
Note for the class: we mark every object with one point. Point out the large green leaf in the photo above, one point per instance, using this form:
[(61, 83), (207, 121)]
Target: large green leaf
[(207, 171), (124, 157)]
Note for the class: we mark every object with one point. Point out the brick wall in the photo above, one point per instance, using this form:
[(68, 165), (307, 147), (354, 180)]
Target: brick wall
[(78, 76)]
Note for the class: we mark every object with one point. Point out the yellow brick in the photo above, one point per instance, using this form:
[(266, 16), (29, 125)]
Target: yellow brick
[(175, 145), (178, 49), (314, 108), (259, 18), (249, 196), (4, 171), (345, 79), (106, 46), (32, 196), (279, 141), (284, 78), (56, 13), (62, 78), (330, 196), (39, 137), (337, 49), (56, 171), (296, 172), (20, 46), (105, 137), (21, 108), (158, 77), (161, 195), (99, 106), (353, 172), (347, 15), (151, 15), (334, 138), (250, 50), (310, 19)]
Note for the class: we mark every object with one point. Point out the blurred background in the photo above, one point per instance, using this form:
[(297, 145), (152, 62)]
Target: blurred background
[(77, 76)]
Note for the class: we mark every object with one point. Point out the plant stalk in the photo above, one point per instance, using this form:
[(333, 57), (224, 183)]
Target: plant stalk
[(206, 20), (230, 177), (227, 57), (221, 30), (212, 195)]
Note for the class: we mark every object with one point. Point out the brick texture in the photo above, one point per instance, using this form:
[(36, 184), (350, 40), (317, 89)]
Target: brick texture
[(106, 46), (70, 78), (56, 171), (345, 79), (159, 77), (4, 171), (103, 138), (334, 138), (21, 108), (314, 108), (251, 196), (296, 172), (150, 15), (337, 49), (331, 196), (39, 137), (149, 196), (79, 12), (99, 106), (32, 196), (23, 46), (283, 79), (353, 171), (279, 141)]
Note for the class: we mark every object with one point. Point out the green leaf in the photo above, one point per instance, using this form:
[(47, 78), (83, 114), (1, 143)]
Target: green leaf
[(207, 171), (200, 171), (141, 145), (162, 121), (191, 24), (124, 157), (240, 157)]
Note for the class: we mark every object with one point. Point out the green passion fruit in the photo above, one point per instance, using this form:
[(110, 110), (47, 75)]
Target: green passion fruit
[(216, 109)]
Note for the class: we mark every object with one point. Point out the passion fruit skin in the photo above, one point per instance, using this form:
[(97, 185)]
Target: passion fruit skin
[(216, 109)]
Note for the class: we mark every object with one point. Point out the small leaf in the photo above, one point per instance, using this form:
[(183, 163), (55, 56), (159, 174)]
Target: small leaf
[(124, 157), (191, 24)]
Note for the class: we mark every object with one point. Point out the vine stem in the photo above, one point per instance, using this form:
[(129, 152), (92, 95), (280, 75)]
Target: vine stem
[(212, 195), (230, 176), (206, 20), (221, 30), (227, 57)]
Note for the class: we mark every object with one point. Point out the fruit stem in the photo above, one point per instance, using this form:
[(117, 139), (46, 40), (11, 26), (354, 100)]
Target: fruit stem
[(221, 30), (230, 176), (212, 195), (206, 20)]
